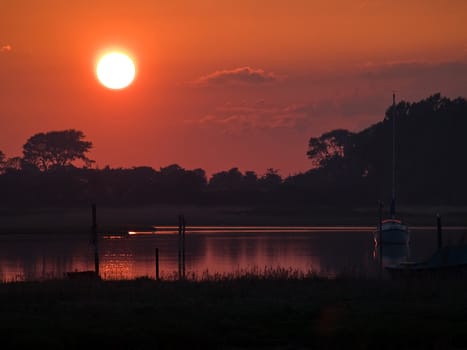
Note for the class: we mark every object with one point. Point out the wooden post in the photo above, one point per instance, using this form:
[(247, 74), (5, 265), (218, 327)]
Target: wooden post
[(440, 231), (95, 240), (179, 247), (380, 234), (183, 247), (157, 263)]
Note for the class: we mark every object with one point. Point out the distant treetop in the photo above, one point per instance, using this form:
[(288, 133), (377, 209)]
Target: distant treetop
[(56, 149)]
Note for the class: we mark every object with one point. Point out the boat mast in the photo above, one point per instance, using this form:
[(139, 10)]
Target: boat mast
[(393, 201)]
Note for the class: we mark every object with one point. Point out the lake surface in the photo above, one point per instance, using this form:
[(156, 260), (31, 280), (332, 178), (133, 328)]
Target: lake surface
[(327, 251)]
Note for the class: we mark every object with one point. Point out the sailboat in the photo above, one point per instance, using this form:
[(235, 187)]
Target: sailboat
[(393, 230)]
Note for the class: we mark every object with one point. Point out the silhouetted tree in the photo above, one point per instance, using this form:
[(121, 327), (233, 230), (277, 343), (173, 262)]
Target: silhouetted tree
[(56, 149), (250, 179), (173, 170), (14, 163), (329, 147), (349, 169), (176, 179), (197, 178), (271, 178), (430, 147), (227, 180)]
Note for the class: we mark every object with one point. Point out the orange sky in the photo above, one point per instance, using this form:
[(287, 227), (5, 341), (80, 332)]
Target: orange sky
[(221, 83)]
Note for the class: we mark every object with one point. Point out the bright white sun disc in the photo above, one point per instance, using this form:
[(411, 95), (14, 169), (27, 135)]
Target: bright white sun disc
[(115, 70)]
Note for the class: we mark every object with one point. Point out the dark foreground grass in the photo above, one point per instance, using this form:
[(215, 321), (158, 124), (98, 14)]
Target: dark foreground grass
[(233, 313)]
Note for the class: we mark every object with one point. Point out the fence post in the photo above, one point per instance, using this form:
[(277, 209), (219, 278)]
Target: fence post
[(183, 247), (180, 247), (380, 236), (95, 240), (157, 263)]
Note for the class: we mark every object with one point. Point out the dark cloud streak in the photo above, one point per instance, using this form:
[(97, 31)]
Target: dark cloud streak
[(352, 100), (414, 69)]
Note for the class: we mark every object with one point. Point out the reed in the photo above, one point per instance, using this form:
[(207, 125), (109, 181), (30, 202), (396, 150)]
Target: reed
[(259, 308)]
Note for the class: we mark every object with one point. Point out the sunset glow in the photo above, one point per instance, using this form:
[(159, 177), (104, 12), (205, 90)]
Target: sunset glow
[(220, 84), (115, 70), (235, 174)]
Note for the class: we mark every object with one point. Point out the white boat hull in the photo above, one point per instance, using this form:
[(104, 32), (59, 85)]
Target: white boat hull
[(393, 233)]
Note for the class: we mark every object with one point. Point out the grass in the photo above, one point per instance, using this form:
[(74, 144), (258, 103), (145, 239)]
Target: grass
[(272, 310)]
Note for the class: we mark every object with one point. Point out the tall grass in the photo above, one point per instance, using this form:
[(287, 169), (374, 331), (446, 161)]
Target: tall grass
[(249, 308)]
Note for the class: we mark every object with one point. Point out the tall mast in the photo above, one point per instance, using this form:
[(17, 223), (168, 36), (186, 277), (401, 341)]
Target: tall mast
[(393, 201)]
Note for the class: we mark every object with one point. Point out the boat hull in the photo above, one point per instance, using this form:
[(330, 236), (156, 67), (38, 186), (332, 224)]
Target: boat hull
[(393, 232), (447, 262), (422, 272), (394, 237)]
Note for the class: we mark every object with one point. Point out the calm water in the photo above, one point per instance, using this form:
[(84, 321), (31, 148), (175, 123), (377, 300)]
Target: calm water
[(327, 251)]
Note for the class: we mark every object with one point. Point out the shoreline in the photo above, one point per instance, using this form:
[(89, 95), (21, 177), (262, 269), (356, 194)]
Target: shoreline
[(124, 219)]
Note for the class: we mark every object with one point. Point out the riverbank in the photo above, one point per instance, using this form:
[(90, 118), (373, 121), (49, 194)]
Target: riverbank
[(235, 313), (124, 219)]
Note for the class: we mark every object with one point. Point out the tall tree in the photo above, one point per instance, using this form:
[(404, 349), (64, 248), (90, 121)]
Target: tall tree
[(430, 154), (227, 180), (14, 163), (271, 178), (56, 149), (329, 147)]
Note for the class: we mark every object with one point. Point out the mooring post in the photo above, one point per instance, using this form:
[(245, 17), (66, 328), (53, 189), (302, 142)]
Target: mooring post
[(183, 247), (440, 231), (380, 235), (156, 256), (179, 247), (95, 240)]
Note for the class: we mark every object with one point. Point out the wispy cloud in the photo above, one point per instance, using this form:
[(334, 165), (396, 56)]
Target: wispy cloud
[(354, 102), (413, 69), (256, 116), (315, 116), (241, 75), (413, 80)]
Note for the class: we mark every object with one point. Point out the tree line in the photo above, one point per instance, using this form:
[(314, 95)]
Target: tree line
[(346, 168)]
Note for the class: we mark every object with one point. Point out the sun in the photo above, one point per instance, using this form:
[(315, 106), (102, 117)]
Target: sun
[(115, 70)]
